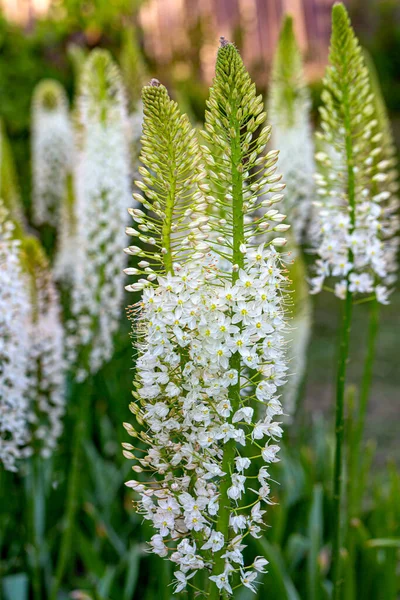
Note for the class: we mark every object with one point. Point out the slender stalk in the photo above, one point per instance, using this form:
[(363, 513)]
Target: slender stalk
[(339, 432), (343, 355), (368, 368), (190, 593), (34, 491), (355, 489), (83, 403), (234, 394), (167, 224)]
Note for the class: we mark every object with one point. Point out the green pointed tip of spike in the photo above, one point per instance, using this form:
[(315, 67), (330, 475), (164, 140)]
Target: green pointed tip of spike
[(102, 71), (340, 16), (101, 82), (229, 61), (226, 48), (154, 91), (98, 63), (33, 253), (287, 28), (288, 52), (49, 94), (287, 74)]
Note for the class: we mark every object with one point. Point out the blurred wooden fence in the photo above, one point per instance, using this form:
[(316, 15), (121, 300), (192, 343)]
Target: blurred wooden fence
[(180, 29), (172, 27)]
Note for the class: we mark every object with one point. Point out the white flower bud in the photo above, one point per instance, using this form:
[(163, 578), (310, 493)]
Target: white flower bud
[(279, 241)]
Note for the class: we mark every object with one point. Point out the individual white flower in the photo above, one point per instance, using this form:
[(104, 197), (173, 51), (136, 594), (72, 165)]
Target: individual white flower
[(157, 543), (52, 151), (242, 463), (382, 294), (260, 563), (222, 582), (181, 581), (215, 542), (237, 488), (247, 578)]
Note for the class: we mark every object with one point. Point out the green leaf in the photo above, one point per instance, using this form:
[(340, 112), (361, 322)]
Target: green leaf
[(16, 587), (315, 533), (132, 572), (104, 587), (89, 555), (348, 576), (296, 550), (384, 543), (280, 585)]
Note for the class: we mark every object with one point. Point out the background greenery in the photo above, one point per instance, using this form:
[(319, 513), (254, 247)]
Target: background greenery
[(108, 560)]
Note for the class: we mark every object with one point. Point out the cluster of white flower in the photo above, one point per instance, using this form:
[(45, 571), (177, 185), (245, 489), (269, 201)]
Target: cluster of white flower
[(46, 365), (31, 350), (210, 329), (363, 256), (289, 108), (52, 151), (102, 199), (15, 310), (193, 329)]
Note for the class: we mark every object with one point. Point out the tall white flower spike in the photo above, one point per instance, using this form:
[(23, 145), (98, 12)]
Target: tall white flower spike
[(289, 107), (357, 222), (15, 312), (52, 151), (209, 331), (46, 368), (102, 199)]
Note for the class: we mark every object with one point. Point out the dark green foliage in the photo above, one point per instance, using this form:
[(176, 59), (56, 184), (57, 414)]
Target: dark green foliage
[(25, 59)]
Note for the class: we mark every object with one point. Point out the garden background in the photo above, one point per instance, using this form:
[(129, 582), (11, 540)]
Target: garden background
[(176, 41)]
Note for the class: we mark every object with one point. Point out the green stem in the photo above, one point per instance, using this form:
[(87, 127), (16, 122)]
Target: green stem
[(355, 491), (167, 223), (83, 403), (190, 593), (368, 368), (235, 363), (339, 432), (35, 491), (343, 352)]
